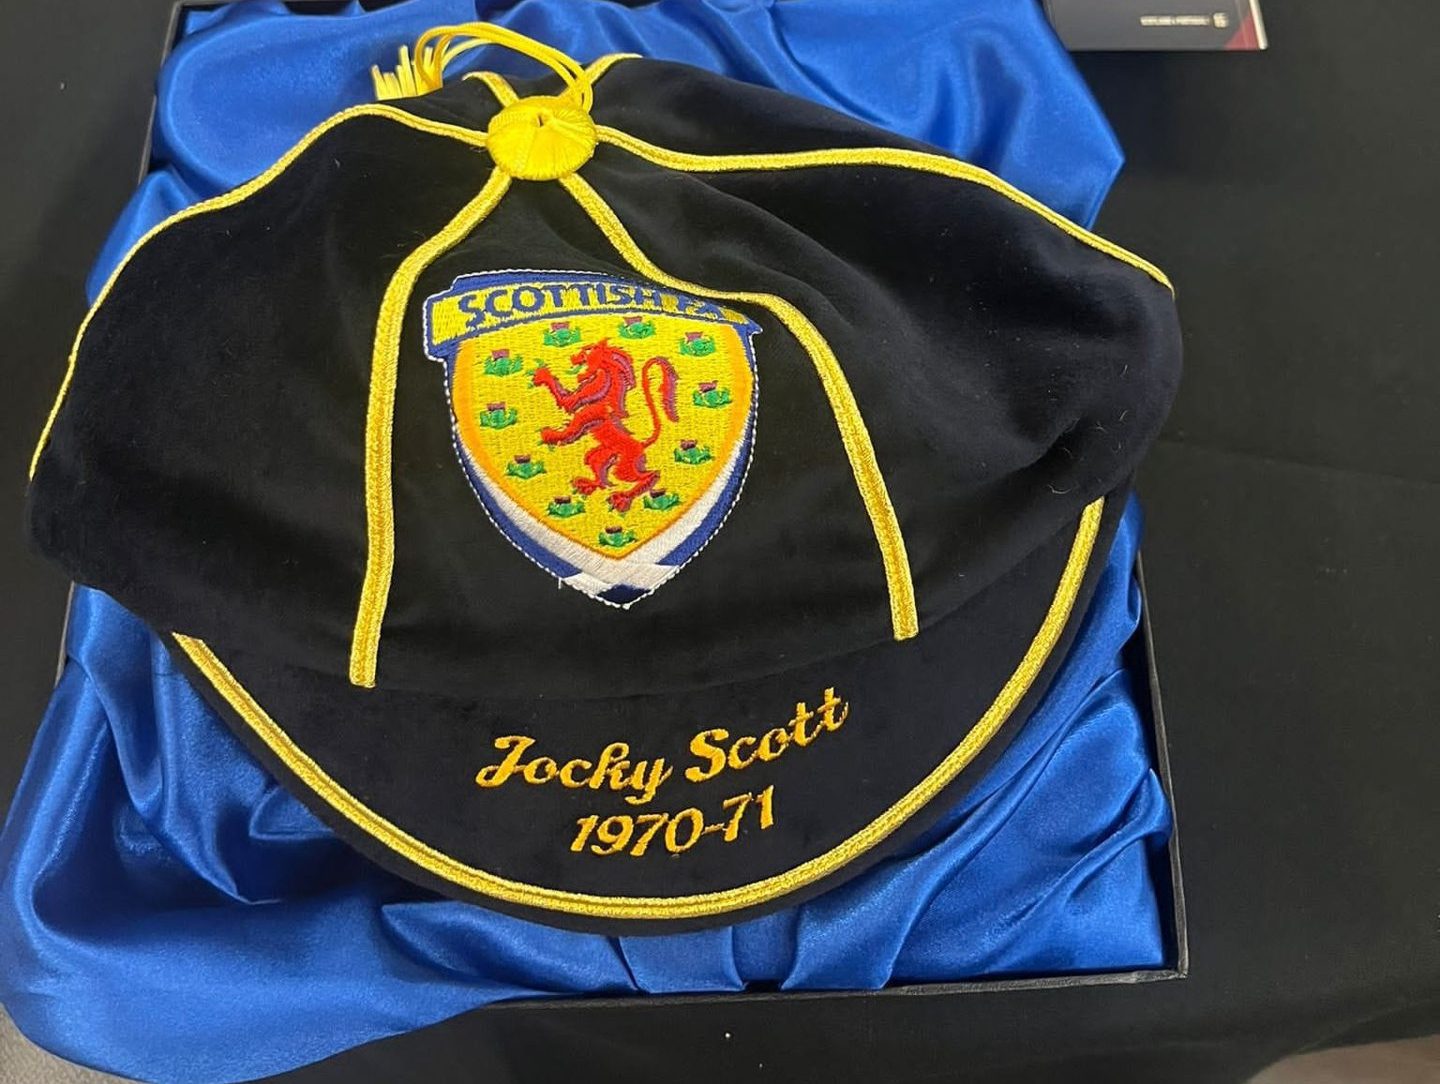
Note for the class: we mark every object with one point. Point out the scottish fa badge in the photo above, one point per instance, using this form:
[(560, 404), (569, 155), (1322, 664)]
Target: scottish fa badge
[(605, 425)]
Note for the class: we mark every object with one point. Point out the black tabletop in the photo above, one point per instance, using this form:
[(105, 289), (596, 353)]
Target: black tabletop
[(1291, 552)]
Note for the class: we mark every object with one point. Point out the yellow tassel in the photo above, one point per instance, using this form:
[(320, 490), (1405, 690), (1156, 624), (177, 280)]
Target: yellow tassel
[(423, 70)]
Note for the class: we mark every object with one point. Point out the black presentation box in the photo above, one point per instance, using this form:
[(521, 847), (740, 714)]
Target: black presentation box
[(1159, 25), (1141, 658)]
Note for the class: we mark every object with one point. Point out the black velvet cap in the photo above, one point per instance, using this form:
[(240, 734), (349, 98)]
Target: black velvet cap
[(632, 517)]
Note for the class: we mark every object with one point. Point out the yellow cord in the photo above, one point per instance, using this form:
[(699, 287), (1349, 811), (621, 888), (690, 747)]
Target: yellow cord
[(423, 70), (894, 157), (379, 427), (229, 199)]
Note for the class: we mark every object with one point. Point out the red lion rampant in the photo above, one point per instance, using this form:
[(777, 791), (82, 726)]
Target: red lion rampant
[(597, 409)]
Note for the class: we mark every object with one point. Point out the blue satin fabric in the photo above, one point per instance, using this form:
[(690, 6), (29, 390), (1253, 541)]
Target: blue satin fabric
[(167, 912)]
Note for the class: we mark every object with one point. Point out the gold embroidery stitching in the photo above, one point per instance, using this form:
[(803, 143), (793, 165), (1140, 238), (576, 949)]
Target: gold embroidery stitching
[(229, 199), (905, 621), (615, 832), (379, 421), (476, 880), (614, 769), (644, 776), (873, 156)]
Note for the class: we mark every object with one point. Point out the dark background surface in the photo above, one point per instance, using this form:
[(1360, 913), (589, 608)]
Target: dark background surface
[(1293, 537)]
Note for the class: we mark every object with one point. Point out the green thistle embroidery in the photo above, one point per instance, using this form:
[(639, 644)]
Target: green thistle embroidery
[(501, 363), (561, 334), (496, 416), (565, 507), (697, 344), (522, 466), (709, 394), (636, 327), (660, 501), (615, 537), (690, 452)]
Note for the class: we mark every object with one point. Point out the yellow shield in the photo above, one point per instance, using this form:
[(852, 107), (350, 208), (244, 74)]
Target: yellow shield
[(604, 424)]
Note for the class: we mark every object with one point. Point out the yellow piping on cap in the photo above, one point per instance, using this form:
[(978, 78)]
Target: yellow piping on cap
[(503, 91), (893, 157), (380, 422), (229, 199)]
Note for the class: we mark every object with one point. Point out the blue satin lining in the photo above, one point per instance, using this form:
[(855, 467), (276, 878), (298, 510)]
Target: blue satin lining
[(169, 913)]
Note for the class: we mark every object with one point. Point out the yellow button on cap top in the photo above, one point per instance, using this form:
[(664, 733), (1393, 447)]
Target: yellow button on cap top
[(541, 138)]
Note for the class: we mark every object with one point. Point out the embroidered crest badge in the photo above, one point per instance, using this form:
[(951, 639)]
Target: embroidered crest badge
[(604, 424)]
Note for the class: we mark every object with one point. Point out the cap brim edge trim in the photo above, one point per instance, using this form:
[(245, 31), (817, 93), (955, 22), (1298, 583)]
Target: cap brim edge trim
[(324, 786)]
